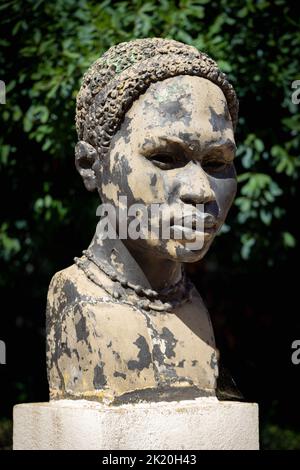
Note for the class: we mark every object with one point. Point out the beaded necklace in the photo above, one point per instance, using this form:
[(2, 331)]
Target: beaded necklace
[(148, 299)]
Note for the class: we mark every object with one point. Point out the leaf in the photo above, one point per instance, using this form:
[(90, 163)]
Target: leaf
[(288, 240)]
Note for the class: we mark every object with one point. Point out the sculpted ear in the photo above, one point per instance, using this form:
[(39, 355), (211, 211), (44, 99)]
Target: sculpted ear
[(86, 163)]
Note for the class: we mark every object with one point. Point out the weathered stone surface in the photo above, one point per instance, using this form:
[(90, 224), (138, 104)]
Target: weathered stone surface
[(125, 71), (108, 351), (156, 120)]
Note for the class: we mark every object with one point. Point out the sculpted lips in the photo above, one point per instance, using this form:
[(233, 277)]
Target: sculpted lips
[(194, 219), (188, 225)]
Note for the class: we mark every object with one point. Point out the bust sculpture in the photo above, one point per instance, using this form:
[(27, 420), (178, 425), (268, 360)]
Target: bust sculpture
[(155, 120)]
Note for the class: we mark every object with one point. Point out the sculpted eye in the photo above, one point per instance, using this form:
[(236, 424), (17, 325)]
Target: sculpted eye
[(213, 166), (167, 161)]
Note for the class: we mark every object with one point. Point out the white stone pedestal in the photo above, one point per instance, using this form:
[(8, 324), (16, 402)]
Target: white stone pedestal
[(203, 423)]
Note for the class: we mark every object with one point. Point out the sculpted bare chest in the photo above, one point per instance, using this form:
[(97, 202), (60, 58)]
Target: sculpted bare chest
[(132, 353)]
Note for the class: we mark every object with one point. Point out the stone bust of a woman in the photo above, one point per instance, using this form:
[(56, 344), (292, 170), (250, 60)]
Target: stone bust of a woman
[(155, 120)]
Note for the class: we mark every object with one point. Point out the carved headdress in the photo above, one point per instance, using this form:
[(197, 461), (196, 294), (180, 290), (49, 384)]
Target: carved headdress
[(125, 71)]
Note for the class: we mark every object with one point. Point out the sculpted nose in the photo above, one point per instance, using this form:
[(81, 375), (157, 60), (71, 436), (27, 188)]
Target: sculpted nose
[(194, 185)]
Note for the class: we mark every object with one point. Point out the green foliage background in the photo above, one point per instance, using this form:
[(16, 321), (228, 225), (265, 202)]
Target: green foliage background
[(45, 48)]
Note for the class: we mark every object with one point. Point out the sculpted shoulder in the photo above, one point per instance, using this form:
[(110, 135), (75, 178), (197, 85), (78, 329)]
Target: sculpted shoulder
[(71, 286), (83, 321)]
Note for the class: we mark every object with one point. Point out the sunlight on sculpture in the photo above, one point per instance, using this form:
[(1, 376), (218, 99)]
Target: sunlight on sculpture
[(131, 355), (155, 119)]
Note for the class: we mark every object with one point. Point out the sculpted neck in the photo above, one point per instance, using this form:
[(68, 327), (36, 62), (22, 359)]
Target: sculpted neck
[(137, 266)]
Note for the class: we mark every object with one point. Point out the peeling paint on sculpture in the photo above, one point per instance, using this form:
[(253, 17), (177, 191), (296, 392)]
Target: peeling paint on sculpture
[(155, 119)]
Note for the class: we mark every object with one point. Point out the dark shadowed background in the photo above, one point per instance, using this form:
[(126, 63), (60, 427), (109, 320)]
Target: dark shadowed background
[(250, 279)]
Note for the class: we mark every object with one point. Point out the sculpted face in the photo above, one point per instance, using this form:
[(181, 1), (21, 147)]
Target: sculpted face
[(175, 147)]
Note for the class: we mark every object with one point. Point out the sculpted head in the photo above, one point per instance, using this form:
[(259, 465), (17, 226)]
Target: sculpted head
[(156, 120)]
